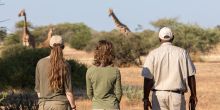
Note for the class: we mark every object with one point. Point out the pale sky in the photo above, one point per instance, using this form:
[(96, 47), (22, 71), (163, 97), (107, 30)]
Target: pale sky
[(93, 13)]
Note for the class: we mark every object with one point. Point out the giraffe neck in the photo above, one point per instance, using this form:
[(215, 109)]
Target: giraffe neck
[(25, 24), (49, 34), (116, 20)]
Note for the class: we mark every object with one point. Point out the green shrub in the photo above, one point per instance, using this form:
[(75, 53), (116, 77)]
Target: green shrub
[(149, 40), (81, 37), (192, 37), (126, 49), (18, 64), (75, 34), (18, 101), (11, 39), (78, 71)]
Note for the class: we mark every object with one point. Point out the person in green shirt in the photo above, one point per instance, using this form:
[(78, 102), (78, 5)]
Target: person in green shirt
[(53, 79), (103, 81)]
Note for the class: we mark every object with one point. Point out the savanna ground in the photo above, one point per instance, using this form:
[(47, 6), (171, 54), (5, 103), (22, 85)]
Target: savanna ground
[(207, 77)]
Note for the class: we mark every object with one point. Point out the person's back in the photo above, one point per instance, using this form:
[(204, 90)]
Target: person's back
[(53, 79), (103, 81), (169, 65), (43, 87), (167, 71)]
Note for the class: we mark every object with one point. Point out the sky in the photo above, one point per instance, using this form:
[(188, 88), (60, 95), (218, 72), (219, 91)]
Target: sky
[(93, 13)]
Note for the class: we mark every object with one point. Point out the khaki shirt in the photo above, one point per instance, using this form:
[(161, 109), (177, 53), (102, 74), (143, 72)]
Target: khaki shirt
[(169, 66), (42, 82)]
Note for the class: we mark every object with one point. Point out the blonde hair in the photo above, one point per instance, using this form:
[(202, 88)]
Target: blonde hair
[(59, 67)]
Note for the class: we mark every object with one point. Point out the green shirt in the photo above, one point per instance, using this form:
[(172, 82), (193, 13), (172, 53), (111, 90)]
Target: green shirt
[(104, 87), (42, 83)]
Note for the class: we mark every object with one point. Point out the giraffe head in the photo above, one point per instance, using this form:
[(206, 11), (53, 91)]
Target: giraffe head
[(110, 12), (22, 13)]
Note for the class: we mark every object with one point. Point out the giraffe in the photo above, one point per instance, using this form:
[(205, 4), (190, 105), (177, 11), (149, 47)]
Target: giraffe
[(49, 35), (27, 38), (121, 27)]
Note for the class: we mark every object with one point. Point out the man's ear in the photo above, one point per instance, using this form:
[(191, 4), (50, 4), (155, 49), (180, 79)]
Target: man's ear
[(160, 40), (63, 46), (172, 39)]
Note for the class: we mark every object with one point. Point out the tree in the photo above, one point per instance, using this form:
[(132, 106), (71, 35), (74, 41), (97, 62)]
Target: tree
[(75, 34), (11, 39), (20, 25), (3, 34), (126, 49), (190, 36), (81, 37)]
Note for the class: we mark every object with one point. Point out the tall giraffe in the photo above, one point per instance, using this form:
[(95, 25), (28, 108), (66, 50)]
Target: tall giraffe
[(120, 26), (49, 35), (27, 38)]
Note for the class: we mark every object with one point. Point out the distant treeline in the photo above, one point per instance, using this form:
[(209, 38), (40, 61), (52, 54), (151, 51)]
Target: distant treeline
[(127, 49)]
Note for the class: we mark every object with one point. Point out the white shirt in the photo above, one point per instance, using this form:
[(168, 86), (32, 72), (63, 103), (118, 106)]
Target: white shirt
[(169, 66)]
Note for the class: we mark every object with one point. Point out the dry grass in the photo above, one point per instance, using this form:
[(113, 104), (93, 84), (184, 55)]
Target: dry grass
[(208, 83), (208, 87), (81, 56)]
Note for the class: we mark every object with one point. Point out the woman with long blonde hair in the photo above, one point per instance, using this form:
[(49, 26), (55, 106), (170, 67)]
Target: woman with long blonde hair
[(103, 80), (53, 79)]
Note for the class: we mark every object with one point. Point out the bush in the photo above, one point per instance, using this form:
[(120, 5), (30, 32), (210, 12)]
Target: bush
[(126, 49), (18, 101), (81, 37), (78, 71), (11, 39), (18, 64), (75, 34), (192, 37), (149, 41), (133, 93)]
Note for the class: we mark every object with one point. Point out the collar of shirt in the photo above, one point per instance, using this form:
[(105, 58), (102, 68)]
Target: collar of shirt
[(166, 43)]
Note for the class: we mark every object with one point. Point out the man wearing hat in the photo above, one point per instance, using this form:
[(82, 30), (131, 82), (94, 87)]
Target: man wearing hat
[(167, 71)]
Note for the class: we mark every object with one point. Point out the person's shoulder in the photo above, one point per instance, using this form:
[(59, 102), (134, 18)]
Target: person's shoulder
[(112, 67), (115, 69), (178, 49), (154, 51), (42, 60), (91, 68)]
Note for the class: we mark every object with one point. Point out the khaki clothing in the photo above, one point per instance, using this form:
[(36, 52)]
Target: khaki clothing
[(103, 86), (54, 105), (169, 66), (42, 83), (163, 100)]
